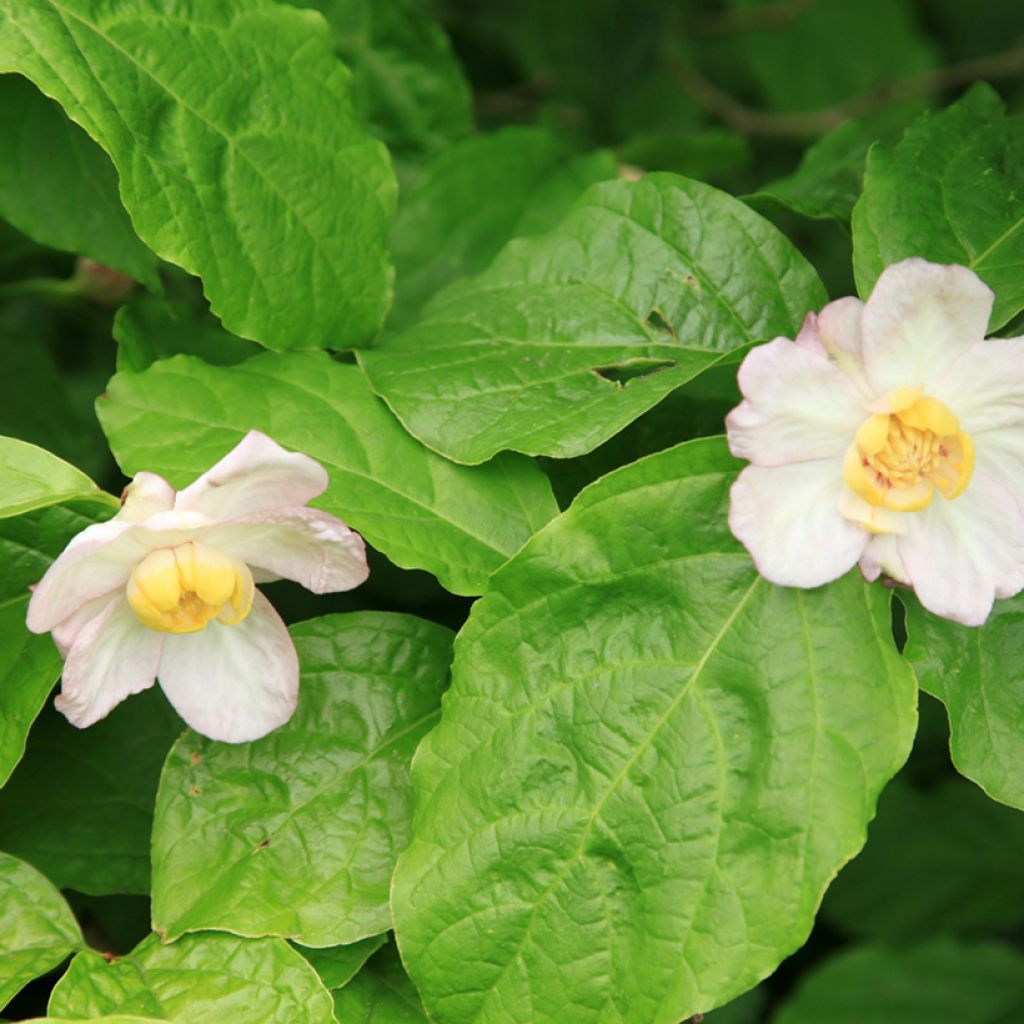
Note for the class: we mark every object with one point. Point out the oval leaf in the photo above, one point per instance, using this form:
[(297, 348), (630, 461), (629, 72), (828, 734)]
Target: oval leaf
[(180, 416), (240, 156), (201, 979), (381, 993), (568, 337), (31, 478), (309, 856), (338, 965), (651, 764)]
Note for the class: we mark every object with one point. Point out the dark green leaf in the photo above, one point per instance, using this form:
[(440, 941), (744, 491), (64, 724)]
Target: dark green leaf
[(338, 965)]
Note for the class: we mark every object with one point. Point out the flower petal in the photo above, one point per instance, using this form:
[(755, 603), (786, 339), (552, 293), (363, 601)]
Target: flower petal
[(882, 556), (788, 518), (147, 495), (920, 318), (256, 475), (797, 407), (301, 544), (65, 634), (113, 656), (839, 327), (961, 554), (985, 386), (233, 683)]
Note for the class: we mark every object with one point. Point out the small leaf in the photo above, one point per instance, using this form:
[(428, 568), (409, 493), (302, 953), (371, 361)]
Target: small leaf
[(37, 929), (651, 764), (977, 673), (31, 478), (239, 154), (201, 979), (181, 415), (338, 965), (663, 269), (943, 980), (60, 188), (952, 191), (381, 993), (296, 834)]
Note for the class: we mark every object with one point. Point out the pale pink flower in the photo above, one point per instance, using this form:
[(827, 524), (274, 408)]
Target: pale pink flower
[(164, 590), (890, 433)]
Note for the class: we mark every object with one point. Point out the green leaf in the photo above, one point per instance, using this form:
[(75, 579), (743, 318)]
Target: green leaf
[(181, 415), (943, 860), (37, 928), (80, 805), (381, 993), (240, 156), (406, 81), (980, 983), (977, 673), (201, 979), (31, 478), (297, 834), (148, 329), (952, 191), (115, 1019), (570, 336), (29, 664), (338, 965), (472, 198), (60, 188), (651, 764)]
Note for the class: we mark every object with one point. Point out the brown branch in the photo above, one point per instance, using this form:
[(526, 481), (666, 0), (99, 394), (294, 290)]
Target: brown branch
[(748, 121)]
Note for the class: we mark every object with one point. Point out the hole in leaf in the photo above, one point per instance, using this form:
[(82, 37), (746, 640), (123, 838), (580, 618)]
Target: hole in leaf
[(659, 323), (630, 369)]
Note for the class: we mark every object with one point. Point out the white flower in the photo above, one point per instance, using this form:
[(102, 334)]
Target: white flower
[(890, 433), (165, 590)]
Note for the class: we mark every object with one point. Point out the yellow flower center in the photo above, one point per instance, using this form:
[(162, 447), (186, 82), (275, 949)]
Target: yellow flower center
[(179, 590), (899, 459)]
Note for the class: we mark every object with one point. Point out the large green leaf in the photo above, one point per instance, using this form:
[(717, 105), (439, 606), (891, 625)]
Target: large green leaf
[(37, 928), (179, 416), (474, 197), (406, 82), (981, 983), (31, 478), (570, 336), (105, 1019), (978, 673), (651, 764), (29, 664), (59, 187), (942, 860), (201, 979), (381, 993), (952, 191), (240, 156), (297, 834), (80, 805), (338, 965)]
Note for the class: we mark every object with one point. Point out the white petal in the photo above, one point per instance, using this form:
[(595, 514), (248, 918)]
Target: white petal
[(797, 407), (840, 326), (147, 495), (256, 475), (961, 554), (113, 656), (301, 544), (985, 386), (1000, 455), (233, 683), (882, 556), (788, 518), (65, 634), (920, 318)]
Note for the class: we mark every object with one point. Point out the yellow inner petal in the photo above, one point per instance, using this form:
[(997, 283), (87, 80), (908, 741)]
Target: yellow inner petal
[(180, 590), (898, 460)]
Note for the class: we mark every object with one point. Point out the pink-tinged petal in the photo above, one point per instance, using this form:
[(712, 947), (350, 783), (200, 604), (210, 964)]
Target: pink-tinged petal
[(920, 318), (807, 337), (233, 683), (65, 634), (961, 554), (797, 407), (99, 561), (113, 656), (301, 544), (882, 556), (840, 326), (255, 476), (999, 454), (146, 496), (985, 387), (788, 519)]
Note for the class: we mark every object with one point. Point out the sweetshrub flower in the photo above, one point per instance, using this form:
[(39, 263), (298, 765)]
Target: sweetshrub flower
[(890, 433), (165, 590)]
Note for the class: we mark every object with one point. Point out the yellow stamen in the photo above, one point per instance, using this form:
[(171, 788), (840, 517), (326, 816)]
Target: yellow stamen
[(179, 590), (898, 461)]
